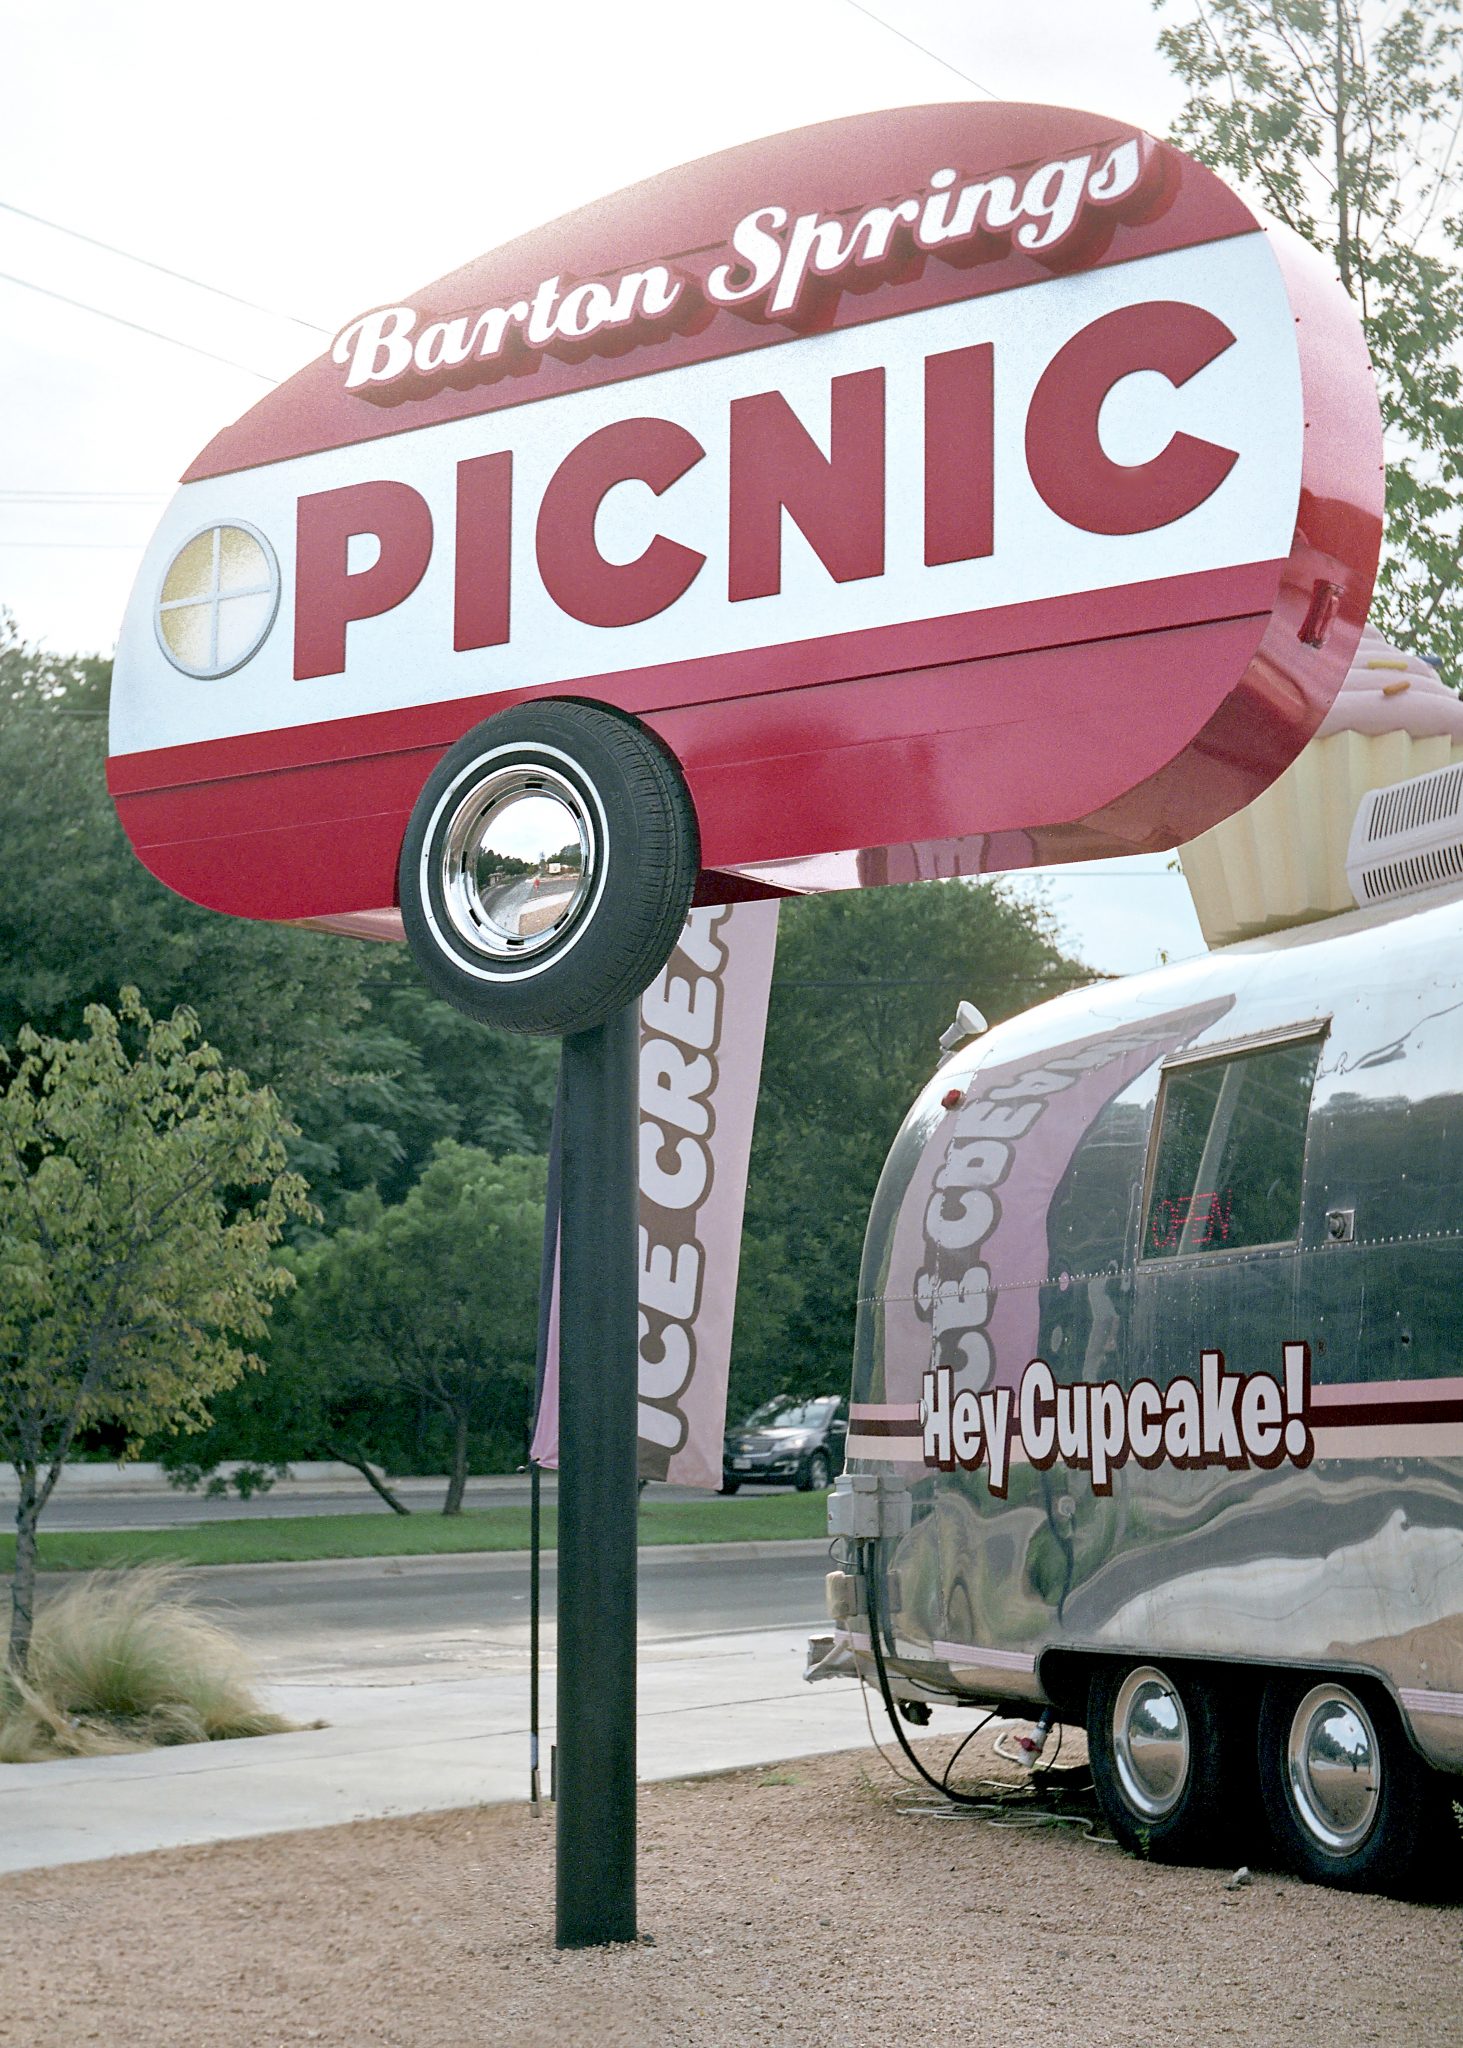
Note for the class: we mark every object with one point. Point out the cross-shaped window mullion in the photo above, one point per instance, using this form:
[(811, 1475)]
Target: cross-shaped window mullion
[(178, 604), (213, 589), (209, 594)]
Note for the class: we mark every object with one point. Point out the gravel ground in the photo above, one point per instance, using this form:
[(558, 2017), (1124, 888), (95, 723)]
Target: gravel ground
[(797, 1905)]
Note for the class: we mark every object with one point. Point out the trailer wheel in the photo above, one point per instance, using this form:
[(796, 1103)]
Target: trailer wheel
[(1348, 1799), (1167, 1761), (548, 867)]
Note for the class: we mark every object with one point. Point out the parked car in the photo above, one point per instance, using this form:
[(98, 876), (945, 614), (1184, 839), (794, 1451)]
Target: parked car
[(787, 1442)]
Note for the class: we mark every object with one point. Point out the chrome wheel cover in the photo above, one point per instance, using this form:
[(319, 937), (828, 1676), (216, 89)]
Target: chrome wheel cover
[(1333, 1766), (1150, 1740), (520, 860)]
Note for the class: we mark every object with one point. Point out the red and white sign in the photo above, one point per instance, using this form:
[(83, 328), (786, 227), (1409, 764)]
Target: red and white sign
[(957, 486), (702, 1024)]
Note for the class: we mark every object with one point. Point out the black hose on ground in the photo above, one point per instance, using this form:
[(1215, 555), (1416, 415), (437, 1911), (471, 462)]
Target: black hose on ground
[(942, 1786)]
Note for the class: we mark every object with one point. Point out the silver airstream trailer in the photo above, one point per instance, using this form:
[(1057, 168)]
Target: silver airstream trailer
[(1157, 1407)]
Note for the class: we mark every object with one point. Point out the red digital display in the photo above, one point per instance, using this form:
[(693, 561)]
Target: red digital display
[(1176, 1218)]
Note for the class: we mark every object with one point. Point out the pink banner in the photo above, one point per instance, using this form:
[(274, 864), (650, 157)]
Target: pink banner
[(970, 1247), (702, 1025)]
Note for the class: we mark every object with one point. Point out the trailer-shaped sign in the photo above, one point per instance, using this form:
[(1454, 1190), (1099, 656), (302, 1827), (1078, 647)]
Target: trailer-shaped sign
[(942, 490)]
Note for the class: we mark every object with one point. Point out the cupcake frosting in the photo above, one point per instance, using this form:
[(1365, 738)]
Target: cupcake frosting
[(1388, 691)]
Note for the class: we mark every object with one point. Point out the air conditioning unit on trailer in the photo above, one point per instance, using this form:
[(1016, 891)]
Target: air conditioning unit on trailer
[(1408, 836)]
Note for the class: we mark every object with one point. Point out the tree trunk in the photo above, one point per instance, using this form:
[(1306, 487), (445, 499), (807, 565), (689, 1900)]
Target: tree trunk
[(1343, 168), (457, 1483), (358, 1462), (23, 1580)]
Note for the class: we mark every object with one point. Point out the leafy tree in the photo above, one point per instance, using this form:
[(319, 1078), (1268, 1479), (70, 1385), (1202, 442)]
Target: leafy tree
[(1345, 116), (142, 1188), (493, 1090), (865, 982), (372, 1068), (80, 914), (431, 1301)]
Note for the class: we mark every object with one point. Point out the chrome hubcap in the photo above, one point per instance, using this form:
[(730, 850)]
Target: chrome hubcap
[(1150, 1742), (520, 860), (1334, 1765)]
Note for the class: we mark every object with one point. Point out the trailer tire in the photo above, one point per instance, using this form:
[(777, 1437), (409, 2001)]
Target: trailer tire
[(1168, 1761), (513, 938), (1349, 1801)]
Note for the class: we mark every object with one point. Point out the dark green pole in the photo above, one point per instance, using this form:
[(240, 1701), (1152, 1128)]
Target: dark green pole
[(598, 1358)]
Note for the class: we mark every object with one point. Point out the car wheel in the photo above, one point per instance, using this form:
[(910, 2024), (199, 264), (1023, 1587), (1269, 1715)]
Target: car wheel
[(730, 1485), (1348, 1799), (1169, 1761), (548, 867), (816, 1476)]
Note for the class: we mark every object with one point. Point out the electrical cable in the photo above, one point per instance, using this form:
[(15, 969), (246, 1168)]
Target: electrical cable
[(888, 1761), (137, 327), (17, 497), (933, 55), (162, 269), (945, 1789), (998, 1809), (961, 1747)]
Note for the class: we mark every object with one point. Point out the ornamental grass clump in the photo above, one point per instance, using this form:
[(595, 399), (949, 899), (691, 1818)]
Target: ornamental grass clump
[(122, 1661)]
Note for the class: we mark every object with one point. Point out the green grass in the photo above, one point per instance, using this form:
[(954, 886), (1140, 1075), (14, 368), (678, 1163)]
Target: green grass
[(768, 1518)]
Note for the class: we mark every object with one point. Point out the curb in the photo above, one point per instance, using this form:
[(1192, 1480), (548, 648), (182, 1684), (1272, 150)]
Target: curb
[(505, 1560)]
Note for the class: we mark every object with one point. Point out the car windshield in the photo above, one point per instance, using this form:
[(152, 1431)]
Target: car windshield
[(783, 1413)]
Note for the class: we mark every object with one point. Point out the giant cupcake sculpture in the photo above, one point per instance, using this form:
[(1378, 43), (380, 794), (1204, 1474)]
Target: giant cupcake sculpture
[(1282, 859)]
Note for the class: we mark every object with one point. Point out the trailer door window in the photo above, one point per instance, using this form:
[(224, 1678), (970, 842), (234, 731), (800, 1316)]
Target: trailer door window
[(1231, 1148)]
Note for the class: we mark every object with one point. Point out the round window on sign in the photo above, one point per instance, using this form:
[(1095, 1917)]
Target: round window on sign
[(218, 600)]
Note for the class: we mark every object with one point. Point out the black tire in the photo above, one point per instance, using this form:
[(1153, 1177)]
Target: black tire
[(1171, 1761), (1388, 1827), (612, 784), (816, 1475), (730, 1485)]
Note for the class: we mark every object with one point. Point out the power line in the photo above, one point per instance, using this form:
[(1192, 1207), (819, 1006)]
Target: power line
[(924, 51), (81, 497), (1061, 875), (1054, 985), (161, 268), (136, 326)]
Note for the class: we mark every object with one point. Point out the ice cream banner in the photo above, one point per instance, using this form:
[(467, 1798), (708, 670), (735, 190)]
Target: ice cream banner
[(702, 1024)]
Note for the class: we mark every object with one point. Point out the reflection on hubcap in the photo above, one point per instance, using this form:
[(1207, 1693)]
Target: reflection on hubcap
[(519, 861), (1150, 1742), (1335, 1768)]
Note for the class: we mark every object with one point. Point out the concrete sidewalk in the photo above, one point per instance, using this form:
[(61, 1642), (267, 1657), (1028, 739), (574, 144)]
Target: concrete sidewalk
[(712, 1703)]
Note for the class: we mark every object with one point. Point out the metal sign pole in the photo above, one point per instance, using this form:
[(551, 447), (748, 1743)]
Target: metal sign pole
[(535, 1561), (548, 1268), (595, 1886)]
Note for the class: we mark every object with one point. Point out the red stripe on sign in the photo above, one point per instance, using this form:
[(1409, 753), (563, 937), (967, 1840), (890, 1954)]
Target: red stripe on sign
[(1240, 592), (1372, 1414), (1016, 748)]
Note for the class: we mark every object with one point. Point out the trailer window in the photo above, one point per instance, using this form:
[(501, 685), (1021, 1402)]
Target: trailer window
[(1231, 1147)]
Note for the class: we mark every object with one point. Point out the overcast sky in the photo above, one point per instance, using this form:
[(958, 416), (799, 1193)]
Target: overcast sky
[(316, 159)]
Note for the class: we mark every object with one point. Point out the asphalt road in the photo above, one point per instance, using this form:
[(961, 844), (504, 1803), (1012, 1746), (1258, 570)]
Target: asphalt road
[(389, 1618), (173, 1510)]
